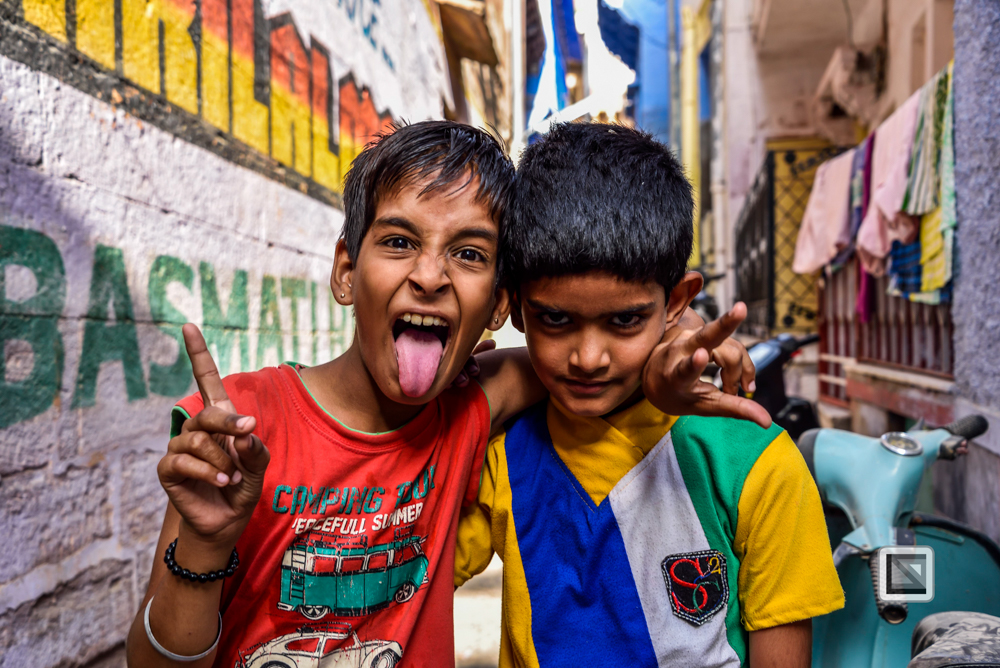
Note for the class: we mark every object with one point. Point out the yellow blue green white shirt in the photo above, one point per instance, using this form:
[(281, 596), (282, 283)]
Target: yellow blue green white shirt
[(644, 539)]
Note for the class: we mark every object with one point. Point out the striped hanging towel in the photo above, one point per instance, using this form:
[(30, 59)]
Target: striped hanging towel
[(923, 180)]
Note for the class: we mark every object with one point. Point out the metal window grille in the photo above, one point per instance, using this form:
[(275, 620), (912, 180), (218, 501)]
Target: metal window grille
[(777, 299), (754, 256)]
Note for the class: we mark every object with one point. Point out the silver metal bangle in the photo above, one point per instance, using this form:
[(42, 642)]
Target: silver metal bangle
[(178, 657)]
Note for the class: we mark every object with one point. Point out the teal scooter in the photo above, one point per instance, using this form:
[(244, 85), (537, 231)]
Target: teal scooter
[(869, 490)]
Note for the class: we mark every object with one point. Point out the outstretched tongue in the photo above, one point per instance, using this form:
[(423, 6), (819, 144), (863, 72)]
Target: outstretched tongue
[(418, 353)]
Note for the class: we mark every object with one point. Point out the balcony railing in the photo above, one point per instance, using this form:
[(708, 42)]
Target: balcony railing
[(899, 333)]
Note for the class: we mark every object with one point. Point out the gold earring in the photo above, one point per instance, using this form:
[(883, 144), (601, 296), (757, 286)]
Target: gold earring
[(341, 295), (496, 320)]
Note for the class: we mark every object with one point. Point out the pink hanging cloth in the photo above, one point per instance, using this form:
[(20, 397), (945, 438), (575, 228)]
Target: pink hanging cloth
[(825, 229), (885, 221)]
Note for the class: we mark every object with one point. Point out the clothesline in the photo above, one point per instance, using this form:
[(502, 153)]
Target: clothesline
[(891, 202)]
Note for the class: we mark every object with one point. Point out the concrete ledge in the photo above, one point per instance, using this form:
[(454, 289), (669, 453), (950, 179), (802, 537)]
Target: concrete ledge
[(902, 377), (833, 417), (913, 395)]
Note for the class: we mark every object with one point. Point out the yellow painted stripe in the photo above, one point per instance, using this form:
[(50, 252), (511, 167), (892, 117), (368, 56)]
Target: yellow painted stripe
[(250, 117), (215, 79), (326, 164), (141, 50), (49, 15), (290, 122), (95, 31)]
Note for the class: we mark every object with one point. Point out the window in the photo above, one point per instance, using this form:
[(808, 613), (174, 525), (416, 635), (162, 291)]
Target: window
[(352, 564), (309, 645), (323, 564), (332, 645), (378, 561)]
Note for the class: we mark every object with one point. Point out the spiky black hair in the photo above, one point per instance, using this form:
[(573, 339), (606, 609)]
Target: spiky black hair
[(592, 196)]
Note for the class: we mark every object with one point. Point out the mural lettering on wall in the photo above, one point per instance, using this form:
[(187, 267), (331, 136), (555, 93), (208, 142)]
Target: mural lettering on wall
[(217, 73), (110, 326)]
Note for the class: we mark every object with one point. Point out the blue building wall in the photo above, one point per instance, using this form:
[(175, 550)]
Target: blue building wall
[(652, 101)]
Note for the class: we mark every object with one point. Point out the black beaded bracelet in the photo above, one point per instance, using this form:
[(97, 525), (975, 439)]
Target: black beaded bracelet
[(212, 576)]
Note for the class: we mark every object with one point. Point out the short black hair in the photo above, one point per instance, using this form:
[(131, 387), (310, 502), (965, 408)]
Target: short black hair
[(595, 196), (442, 153)]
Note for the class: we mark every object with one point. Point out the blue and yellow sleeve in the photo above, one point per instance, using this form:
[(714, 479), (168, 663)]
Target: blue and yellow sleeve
[(786, 565), (474, 544)]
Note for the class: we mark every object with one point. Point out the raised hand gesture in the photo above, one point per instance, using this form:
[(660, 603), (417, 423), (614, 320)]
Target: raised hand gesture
[(213, 471), (672, 377)]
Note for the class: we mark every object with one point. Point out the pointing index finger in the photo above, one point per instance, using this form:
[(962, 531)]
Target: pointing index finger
[(714, 333), (206, 374)]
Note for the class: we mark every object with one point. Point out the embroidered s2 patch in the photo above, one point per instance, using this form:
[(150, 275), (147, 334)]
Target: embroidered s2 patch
[(697, 584)]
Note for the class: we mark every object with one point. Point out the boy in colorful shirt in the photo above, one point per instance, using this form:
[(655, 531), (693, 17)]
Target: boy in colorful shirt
[(345, 521), (629, 536)]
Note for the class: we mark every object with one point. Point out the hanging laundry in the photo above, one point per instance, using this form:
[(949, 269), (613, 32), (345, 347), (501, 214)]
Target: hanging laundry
[(860, 173), (936, 225), (932, 252), (904, 268), (825, 228), (861, 179), (885, 220), (949, 218), (864, 305), (906, 275), (931, 240), (923, 183)]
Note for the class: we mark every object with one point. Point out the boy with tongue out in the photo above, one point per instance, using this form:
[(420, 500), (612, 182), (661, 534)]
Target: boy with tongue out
[(418, 353), (334, 544)]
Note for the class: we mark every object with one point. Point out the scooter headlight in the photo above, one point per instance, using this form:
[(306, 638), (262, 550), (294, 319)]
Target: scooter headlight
[(901, 444)]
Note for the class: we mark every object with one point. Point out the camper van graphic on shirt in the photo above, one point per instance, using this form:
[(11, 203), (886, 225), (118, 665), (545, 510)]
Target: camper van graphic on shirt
[(323, 574)]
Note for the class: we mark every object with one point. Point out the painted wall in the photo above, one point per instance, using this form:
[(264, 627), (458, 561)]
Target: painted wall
[(161, 162), (970, 491), (921, 43), (652, 104), (764, 97)]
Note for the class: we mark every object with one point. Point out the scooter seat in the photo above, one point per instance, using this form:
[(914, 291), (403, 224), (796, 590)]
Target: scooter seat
[(956, 639)]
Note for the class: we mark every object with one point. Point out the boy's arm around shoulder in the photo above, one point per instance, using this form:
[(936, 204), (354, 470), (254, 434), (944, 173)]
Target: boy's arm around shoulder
[(510, 384), (787, 575)]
